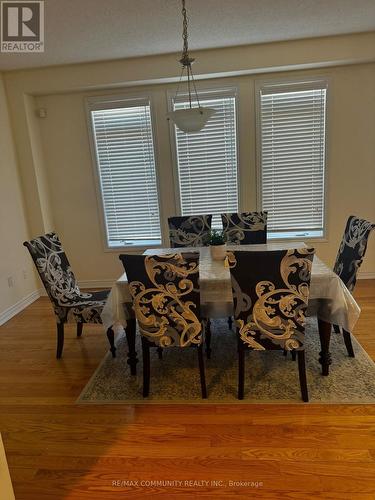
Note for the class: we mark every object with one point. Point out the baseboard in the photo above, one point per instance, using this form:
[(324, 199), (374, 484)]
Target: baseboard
[(89, 284), (18, 306), (366, 276), (109, 283), (29, 299), (96, 284)]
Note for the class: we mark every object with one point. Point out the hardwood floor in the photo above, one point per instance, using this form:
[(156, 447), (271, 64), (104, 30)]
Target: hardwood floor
[(58, 450)]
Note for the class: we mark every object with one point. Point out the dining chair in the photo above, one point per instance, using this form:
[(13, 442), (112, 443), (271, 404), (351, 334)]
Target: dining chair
[(349, 259), (270, 295), (166, 302), (189, 231), (69, 303), (245, 228)]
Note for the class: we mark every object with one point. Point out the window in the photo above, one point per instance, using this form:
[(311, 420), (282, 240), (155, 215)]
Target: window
[(207, 160), (292, 127), (123, 137)]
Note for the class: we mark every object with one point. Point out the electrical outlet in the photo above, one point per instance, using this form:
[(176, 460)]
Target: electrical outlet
[(10, 282), (24, 273)]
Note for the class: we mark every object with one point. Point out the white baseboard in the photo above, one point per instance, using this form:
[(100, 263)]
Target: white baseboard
[(92, 284), (89, 284), (18, 306), (29, 299), (97, 284), (366, 276)]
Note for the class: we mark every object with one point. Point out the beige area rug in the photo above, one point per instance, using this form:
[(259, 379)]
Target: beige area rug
[(270, 377), (6, 489)]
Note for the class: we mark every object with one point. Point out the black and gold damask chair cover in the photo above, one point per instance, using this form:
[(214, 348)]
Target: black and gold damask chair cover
[(352, 250), (245, 228), (349, 259), (189, 231), (270, 296), (166, 302), (69, 303)]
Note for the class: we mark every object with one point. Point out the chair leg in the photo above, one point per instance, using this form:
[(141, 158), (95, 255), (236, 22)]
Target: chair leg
[(230, 322), (146, 367), (111, 339), (208, 339), (285, 352), (60, 340), (202, 372), (348, 343), (294, 354), (302, 376), (79, 329), (160, 352), (241, 369), (336, 329)]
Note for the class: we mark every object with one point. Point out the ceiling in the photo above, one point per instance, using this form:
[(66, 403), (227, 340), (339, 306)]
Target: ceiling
[(93, 30)]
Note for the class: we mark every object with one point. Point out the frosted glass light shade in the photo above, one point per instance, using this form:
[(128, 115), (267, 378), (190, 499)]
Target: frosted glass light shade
[(191, 119)]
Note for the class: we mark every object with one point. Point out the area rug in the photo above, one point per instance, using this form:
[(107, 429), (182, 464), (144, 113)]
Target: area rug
[(270, 377)]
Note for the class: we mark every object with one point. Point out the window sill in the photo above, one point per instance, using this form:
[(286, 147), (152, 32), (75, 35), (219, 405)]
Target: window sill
[(312, 236), (136, 247)]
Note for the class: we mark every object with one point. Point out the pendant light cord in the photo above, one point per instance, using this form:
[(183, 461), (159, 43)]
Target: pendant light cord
[(185, 50), (186, 60)]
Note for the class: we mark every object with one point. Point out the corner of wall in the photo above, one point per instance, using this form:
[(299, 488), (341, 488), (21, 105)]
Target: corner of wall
[(18, 283)]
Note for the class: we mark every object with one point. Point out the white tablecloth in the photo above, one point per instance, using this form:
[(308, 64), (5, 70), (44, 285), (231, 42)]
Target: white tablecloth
[(330, 300)]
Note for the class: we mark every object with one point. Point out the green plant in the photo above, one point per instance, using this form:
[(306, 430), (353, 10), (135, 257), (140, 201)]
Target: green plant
[(217, 237)]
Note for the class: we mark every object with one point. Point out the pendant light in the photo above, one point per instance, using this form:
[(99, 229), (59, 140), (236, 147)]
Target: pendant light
[(191, 119)]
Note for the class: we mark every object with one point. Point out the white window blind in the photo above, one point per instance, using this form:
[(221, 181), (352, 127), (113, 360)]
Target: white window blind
[(292, 158), (207, 161), (126, 164)]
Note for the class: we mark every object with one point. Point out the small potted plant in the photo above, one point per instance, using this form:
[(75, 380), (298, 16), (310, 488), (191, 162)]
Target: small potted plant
[(217, 244)]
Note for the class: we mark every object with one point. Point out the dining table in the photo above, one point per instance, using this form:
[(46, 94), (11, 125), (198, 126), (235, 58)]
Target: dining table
[(329, 299)]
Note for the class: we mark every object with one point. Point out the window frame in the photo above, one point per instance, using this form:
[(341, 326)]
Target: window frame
[(297, 84), (206, 92), (112, 101)]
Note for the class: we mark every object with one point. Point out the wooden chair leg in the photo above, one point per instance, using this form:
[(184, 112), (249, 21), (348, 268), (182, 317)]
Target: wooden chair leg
[(294, 354), (160, 352), (111, 339), (208, 339), (202, 372), (241, 369), (302, 375), (336, 329), (230, 322), (285, 352), (60, 340), (146, 367), (130, 330), (79, 329), (348, 343), (325, 330)]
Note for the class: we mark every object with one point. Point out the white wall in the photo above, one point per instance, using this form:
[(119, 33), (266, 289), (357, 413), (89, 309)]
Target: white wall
[(351, 161), (15, 263), (56, 165)]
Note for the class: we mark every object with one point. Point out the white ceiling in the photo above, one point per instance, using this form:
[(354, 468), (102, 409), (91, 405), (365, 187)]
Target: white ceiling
[(93, 30)]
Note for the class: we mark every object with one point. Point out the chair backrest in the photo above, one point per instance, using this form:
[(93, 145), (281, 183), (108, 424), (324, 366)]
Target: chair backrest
[(270, 294), (54, 269), (352, 250), (245, 228), (166, 297), (189, 231)]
